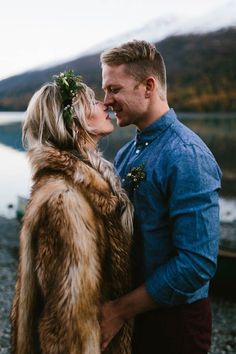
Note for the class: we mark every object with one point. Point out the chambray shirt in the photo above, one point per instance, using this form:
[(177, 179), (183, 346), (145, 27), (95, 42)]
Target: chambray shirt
[(176, 223)]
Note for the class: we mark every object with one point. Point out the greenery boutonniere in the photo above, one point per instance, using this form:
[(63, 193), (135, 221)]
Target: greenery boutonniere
[(136, 175)]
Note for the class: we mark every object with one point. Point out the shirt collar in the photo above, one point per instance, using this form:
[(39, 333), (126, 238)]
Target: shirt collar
[(156, 128)]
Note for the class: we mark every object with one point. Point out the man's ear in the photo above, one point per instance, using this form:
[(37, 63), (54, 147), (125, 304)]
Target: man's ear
[(150, 84)]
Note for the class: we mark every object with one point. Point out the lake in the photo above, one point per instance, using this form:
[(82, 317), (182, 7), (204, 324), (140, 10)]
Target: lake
[(217, 130)]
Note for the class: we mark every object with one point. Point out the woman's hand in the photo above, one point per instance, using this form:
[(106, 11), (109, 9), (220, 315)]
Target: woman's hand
[(111, 322)]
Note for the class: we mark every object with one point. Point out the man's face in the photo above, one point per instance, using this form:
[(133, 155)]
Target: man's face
[(124, 94)]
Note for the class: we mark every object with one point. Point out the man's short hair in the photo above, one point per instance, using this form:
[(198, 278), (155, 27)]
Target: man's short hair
[(142, 59)]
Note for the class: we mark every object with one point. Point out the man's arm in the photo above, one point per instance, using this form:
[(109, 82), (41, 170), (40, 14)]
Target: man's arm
[(193, 182), (115, 313)]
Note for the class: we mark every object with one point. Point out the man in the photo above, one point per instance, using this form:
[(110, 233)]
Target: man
[(173, 181)]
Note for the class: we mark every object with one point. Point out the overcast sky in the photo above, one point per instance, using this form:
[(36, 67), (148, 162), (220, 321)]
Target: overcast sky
[(36, 33)]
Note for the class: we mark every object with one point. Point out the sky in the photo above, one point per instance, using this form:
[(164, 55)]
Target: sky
[(40, 33)]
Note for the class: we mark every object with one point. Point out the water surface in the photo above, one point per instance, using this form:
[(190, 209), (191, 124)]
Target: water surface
[(15, 171)]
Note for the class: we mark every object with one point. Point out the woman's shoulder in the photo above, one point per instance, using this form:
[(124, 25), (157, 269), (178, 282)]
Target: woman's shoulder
[(59, 174), (56, 205), (44, 192)]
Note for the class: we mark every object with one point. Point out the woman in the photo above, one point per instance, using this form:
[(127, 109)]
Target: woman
[(76, 234)]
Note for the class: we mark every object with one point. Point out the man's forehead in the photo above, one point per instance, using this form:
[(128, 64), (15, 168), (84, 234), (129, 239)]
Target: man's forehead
[(110, 80), (113, 68), (113, 75)]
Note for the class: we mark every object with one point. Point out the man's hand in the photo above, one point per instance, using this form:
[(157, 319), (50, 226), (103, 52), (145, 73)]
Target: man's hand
[(111, 323), (115, 313)]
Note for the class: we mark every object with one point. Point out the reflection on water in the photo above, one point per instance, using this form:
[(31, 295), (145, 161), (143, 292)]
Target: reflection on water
[(14, 179), (15, 172), (228, 209), (11, 117)]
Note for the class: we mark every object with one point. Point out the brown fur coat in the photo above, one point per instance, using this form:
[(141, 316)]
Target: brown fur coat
[(74, 255)]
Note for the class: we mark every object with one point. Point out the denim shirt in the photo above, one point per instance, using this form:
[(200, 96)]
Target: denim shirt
[(176, 222)]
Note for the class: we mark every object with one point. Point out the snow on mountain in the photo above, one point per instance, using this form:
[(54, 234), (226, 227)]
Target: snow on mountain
[(153, 31), (222, 17), (161, 28)]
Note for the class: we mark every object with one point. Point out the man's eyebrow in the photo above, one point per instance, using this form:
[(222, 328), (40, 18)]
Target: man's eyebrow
[(110, 86)]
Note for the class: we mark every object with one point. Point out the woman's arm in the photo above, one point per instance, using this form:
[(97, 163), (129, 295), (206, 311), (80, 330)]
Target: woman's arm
[(68, 269), (56, 302)]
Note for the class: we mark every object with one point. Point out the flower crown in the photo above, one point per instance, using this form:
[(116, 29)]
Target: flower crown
[(69, 84)]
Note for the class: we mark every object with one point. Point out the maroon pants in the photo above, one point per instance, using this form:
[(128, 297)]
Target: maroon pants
[(183, 329)]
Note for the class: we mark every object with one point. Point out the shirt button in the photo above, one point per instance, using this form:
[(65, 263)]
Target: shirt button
[(123, 180), (137, 151), (146, 144)]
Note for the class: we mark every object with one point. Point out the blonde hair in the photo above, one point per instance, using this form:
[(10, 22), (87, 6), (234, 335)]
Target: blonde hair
[(44, 123), (141, 60)]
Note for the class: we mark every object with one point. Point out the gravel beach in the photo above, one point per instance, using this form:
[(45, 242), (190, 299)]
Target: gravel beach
[(224, 311)]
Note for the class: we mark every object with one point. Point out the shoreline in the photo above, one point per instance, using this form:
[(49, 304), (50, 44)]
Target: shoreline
[(224, 310)]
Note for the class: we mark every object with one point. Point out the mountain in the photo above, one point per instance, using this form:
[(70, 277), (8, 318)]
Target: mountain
[(16, 91), (172, 25), (201, 71), (201, 67)]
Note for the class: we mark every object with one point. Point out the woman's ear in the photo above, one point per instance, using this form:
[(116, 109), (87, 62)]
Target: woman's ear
[(150, 84)]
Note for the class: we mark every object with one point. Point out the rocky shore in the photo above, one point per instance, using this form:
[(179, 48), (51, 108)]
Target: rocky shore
[(9, 230), (224, 311)]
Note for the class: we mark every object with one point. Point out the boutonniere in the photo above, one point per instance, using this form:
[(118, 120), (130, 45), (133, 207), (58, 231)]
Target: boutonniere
[(136, 175)]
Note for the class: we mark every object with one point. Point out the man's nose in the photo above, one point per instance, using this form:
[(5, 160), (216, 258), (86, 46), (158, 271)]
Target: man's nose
[(108, 99)]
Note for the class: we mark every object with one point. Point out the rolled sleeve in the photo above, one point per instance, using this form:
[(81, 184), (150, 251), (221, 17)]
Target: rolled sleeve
[(192, 187)]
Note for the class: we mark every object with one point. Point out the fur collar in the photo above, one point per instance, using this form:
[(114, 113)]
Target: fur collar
[(48, 160)]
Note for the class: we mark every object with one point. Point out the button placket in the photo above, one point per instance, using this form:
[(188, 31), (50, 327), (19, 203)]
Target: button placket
[(138, 148)]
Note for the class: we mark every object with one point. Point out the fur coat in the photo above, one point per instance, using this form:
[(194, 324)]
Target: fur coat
[(74, 255)]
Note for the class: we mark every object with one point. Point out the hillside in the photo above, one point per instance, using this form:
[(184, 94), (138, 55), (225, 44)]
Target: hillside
[(200, 68), (16, 91), (201, 71)]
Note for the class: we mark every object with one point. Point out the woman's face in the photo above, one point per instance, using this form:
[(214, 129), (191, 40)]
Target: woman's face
[(99, 120)]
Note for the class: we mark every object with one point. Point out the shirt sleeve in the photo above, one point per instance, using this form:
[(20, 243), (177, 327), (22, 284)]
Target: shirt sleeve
[(191, 184)]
